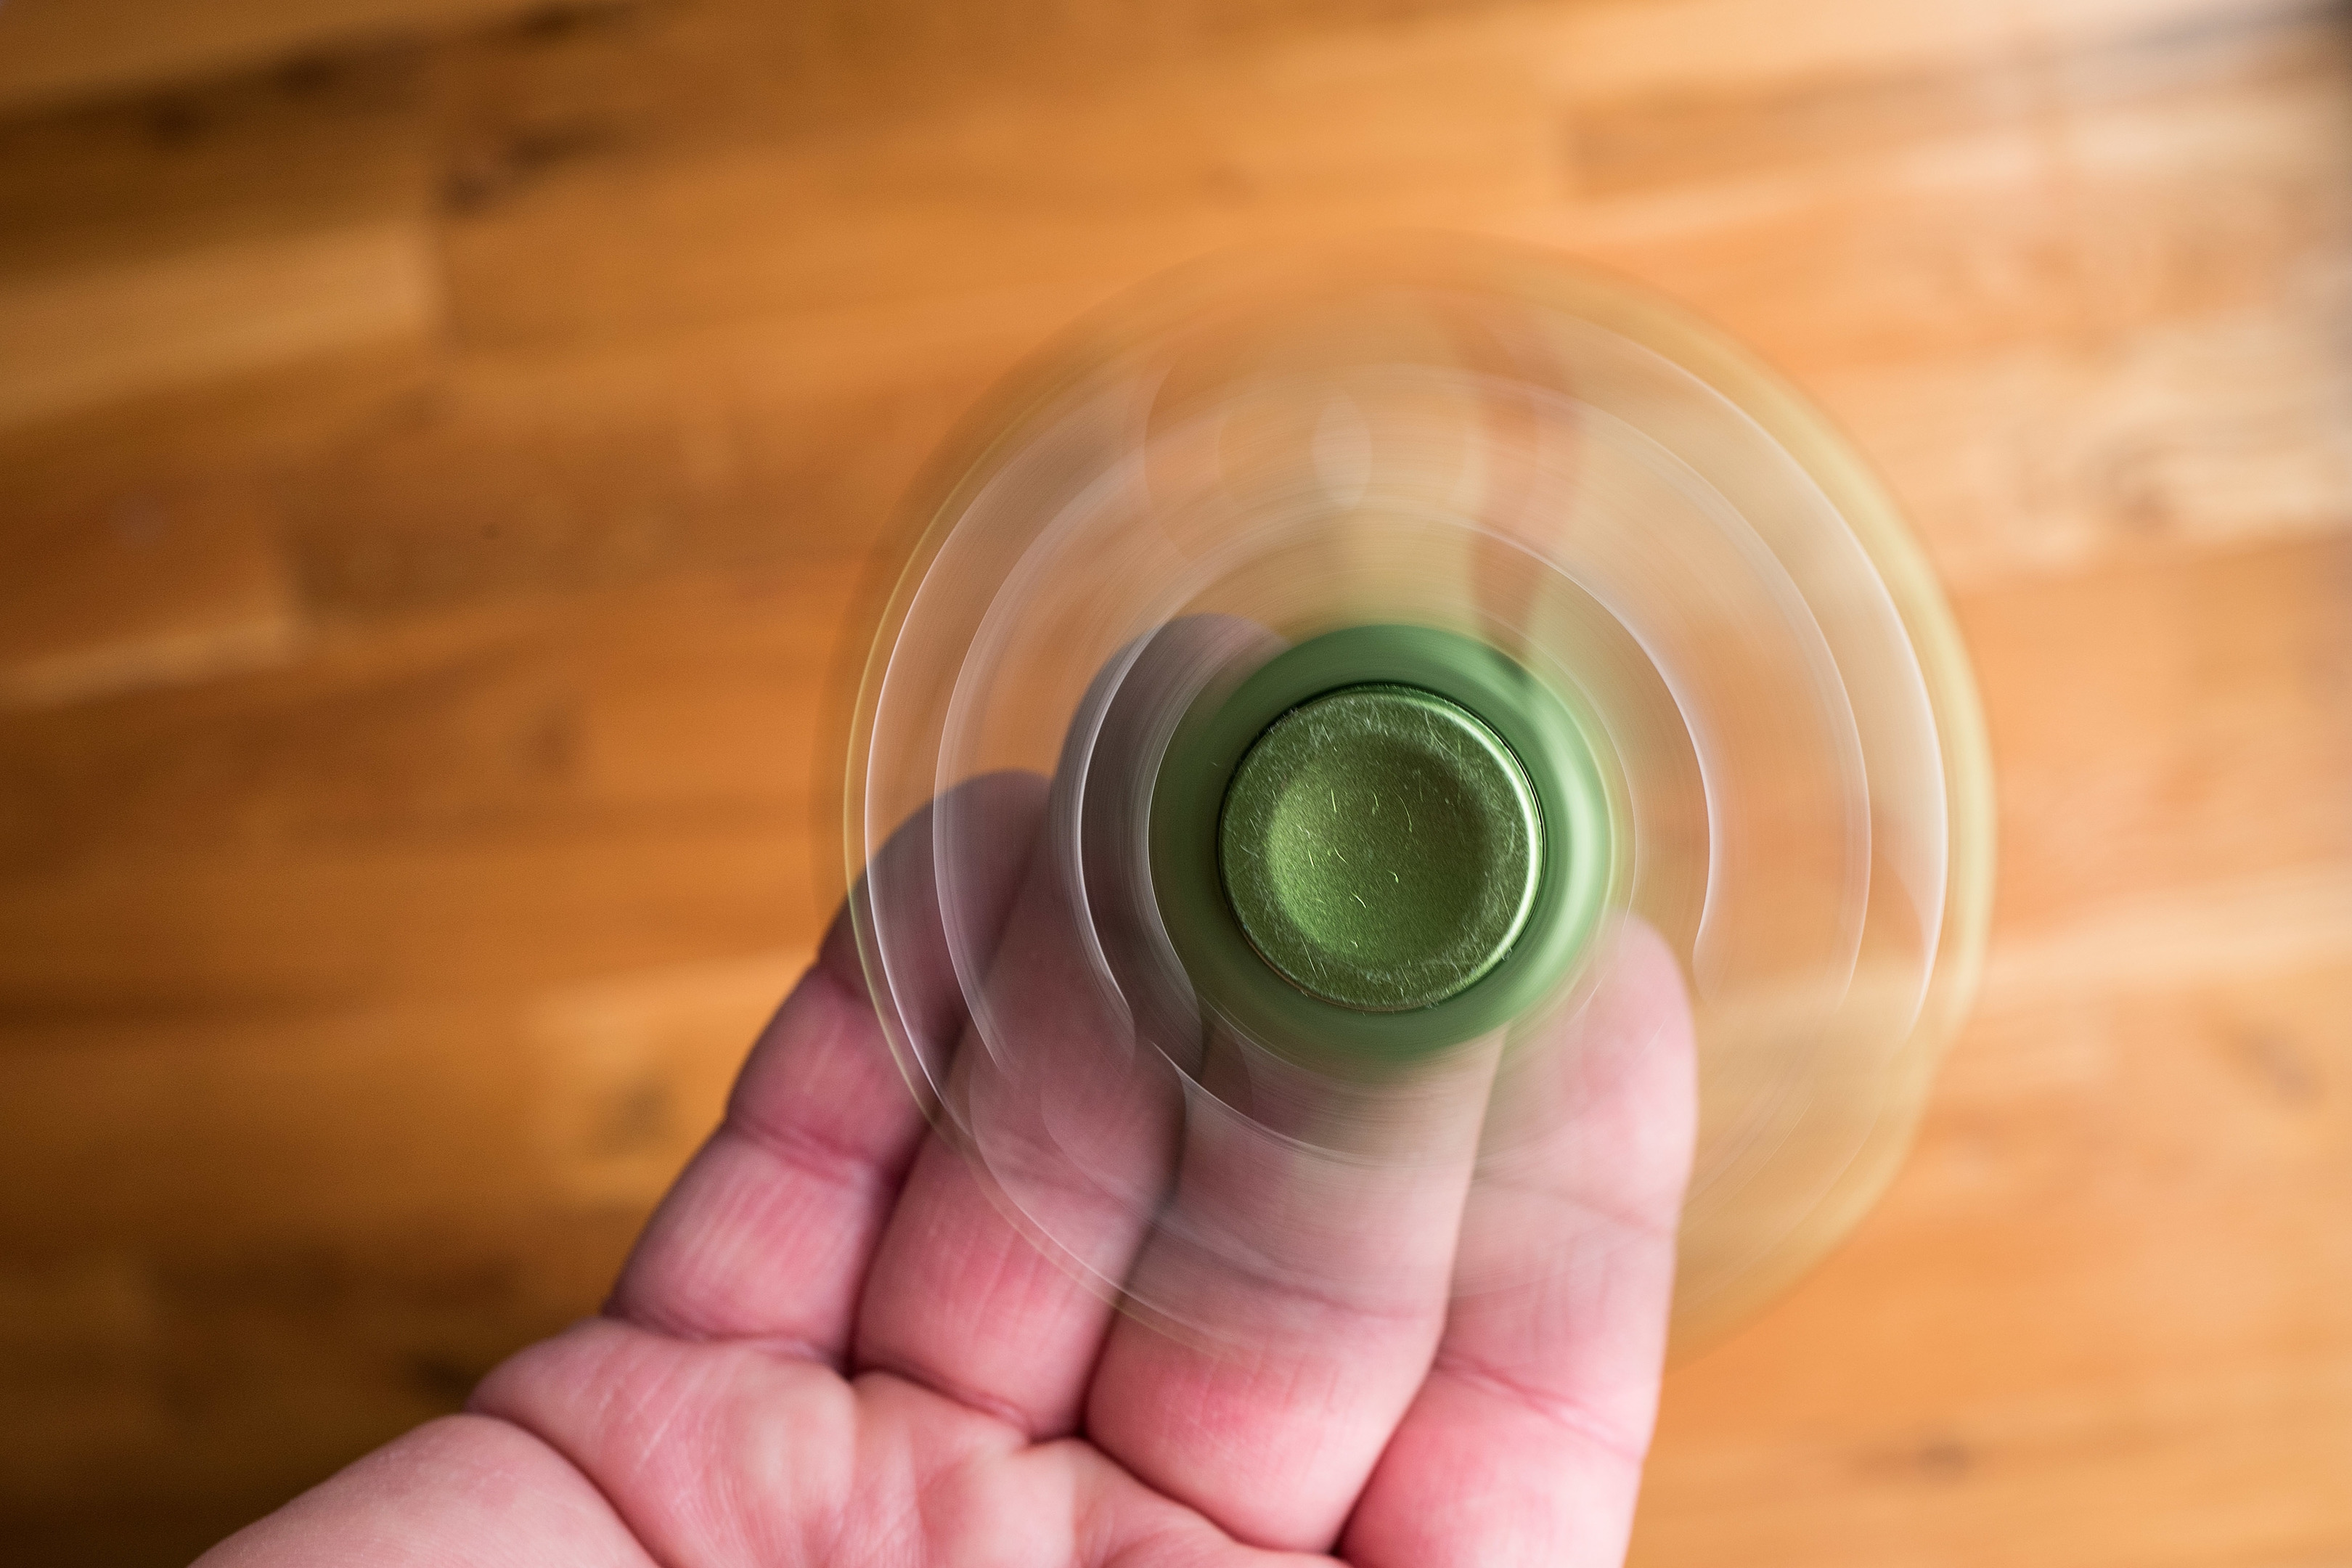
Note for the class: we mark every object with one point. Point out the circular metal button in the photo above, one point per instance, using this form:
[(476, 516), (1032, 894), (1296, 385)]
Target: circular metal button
[(1380, 847)]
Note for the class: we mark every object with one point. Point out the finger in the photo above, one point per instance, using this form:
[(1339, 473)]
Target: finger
[(770, 1228), (1068, 1141), (1526, 1444), (993, 1283), (1318, 1279)]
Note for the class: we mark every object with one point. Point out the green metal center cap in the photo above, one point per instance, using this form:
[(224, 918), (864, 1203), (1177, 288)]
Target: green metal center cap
[(1380, 847)]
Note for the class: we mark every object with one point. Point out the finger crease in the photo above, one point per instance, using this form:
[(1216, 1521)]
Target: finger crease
[(810, 1153), (972, 1399), (1571, 1414), (657, 1320), (1425, 1312)]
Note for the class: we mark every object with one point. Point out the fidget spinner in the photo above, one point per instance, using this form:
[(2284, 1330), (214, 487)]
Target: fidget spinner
[(1398, 630)]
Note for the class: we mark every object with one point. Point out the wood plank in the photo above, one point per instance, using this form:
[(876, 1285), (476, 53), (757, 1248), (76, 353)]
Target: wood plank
[(217, 312), (341, 926), (2168, 727), (2236, 929), (584, 473), (339, 145), (1748, 45), (61, 51), (164, 587), (2196, 182), (239, 1369), (591, 1095), (2213, 430)]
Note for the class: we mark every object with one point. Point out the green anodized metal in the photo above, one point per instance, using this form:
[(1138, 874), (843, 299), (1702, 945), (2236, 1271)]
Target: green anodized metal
[(1380, 847), (1264, 834)]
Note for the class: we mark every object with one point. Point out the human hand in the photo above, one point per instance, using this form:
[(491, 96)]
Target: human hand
[(831, 1345)]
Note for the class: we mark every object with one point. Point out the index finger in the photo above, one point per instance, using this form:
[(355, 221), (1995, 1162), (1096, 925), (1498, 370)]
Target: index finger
[(768, 1233)]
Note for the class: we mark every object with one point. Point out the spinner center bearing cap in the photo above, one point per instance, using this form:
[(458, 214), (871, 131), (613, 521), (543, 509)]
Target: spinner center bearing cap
[(1380, 847), (1385, 841)]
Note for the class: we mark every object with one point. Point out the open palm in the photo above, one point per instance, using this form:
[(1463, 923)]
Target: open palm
[(831, 1346)]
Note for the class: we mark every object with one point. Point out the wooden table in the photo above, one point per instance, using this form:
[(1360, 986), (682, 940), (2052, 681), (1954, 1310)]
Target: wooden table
[(440, 440)]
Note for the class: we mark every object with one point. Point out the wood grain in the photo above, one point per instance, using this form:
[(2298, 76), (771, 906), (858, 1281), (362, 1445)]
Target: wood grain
[(441, 442), (59, 52)]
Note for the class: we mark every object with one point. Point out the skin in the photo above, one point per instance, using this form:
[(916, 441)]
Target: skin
[(831, 1346)]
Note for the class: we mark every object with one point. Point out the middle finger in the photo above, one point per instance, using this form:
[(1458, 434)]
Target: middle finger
[(1315, 1283)]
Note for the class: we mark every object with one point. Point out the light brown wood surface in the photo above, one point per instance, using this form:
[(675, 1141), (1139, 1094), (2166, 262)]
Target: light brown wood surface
[(439, 442)]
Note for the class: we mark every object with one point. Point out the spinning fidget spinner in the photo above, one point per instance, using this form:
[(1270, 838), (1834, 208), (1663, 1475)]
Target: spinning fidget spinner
[(1400, 632)]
